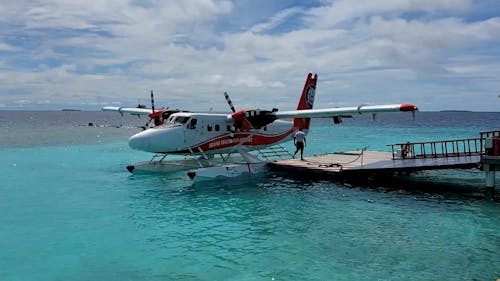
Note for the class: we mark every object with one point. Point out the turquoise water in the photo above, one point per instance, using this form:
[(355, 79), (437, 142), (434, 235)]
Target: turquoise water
[(70, 211)]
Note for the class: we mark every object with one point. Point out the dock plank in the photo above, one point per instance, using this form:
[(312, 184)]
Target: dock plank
[(373, 162)]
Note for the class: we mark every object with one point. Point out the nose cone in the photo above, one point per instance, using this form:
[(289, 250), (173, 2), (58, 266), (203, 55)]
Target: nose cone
[(156, 140), (140, 141)]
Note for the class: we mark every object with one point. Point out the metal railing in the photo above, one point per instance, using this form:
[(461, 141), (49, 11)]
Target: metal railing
[(445, 148), (435, 149), (274, 152)]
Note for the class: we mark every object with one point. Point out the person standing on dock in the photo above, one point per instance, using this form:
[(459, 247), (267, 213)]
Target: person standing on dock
[(299, 139), (406, 149)]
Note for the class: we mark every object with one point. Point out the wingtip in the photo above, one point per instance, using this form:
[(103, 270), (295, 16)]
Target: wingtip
[(408, 107)]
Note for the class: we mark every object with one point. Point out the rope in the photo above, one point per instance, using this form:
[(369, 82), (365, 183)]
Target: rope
[(339, 164)]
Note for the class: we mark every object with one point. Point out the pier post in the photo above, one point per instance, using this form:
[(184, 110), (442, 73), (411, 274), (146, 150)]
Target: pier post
[(490, 184), (489, 170)]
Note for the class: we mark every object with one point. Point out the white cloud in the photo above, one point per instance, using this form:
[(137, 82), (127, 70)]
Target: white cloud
[(443, 33), (96, 52), (6, 47), (336, 12), (276, 20)]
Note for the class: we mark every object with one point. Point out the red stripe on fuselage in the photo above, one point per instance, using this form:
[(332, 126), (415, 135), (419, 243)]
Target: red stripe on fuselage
[(226, 142)]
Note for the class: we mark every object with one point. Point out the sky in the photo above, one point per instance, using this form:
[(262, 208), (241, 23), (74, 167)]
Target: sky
[(438, 55)]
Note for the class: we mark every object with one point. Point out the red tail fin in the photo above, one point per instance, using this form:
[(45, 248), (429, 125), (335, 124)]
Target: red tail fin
[(306, 101)]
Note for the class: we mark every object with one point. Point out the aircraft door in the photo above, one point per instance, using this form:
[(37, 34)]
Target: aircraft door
[(192, 132)]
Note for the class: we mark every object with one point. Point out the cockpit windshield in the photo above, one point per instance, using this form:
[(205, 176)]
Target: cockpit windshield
[(177, 120)]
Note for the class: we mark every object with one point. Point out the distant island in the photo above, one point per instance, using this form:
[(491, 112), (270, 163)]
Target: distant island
[(455, 111), (69, 109)]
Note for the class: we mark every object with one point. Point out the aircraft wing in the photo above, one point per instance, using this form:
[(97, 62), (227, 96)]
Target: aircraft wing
[(337, 111), (131, 110)]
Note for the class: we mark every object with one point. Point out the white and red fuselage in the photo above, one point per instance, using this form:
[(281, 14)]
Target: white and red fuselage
[(196, 133)]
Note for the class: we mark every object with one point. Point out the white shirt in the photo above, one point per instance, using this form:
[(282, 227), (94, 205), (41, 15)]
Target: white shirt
[(299, 136)]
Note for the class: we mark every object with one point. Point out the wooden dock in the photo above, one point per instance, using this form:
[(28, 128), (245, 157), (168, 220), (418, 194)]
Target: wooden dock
[(357, 163), (482, 153)]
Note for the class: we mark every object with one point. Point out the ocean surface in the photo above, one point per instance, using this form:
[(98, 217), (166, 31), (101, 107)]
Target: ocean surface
[(69, 210)]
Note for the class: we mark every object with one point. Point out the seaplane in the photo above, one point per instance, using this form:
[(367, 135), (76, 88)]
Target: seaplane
[(220, 145)]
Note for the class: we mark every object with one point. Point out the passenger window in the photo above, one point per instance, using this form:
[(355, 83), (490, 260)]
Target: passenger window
[(217, 127), (228, 128), (209, 127), (192, 124)]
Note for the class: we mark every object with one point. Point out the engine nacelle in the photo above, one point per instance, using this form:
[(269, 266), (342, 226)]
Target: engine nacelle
[(245, 120)]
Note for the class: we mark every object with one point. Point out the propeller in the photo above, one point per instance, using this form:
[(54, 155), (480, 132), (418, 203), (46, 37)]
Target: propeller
[(152, 102), (248, 119), (155, 116), (232, 121), (229, 102)]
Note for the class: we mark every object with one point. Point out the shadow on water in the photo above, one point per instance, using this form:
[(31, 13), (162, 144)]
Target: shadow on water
[(429, 184)]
